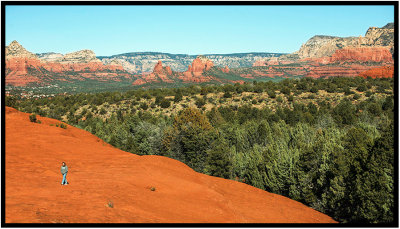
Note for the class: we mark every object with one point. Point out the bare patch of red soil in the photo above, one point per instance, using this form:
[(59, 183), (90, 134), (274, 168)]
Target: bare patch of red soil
[(100, 174)]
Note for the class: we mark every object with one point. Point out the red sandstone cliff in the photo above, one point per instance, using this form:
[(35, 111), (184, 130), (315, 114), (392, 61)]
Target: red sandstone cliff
[(362, 54)]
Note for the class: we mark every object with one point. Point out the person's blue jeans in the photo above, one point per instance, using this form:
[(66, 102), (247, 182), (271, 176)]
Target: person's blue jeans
[(64, 181)]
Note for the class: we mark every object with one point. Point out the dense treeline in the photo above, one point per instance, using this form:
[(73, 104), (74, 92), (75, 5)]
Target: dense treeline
[(335, 158)]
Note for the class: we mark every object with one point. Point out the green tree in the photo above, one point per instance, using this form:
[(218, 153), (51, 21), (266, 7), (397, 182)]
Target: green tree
[(344, 113), (218, 161)]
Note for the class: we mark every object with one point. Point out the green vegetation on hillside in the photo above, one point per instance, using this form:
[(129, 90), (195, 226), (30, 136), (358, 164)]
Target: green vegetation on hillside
[(328, 143)]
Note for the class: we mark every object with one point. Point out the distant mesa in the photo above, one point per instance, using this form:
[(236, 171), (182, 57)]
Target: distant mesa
[(24, 67), (330, 56), (320, 46)]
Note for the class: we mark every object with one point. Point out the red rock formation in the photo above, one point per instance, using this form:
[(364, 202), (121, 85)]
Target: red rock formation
[(201, 64), (139, 82), (17, 73), (196, 69), (23, 67), (226, 69), (20, 65), (168, 69), (379, 72), (158, 68), (362, 54), (159, 74)]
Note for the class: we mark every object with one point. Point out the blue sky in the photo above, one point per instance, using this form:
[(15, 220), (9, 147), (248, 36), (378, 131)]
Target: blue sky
[(109, 30)]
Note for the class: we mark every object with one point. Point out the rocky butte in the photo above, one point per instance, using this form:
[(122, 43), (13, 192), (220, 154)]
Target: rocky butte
[(160, 74), (107, 185), (194, 74), (196, 69)]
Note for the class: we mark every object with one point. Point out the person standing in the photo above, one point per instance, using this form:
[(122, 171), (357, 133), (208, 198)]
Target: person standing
[(64, 171)]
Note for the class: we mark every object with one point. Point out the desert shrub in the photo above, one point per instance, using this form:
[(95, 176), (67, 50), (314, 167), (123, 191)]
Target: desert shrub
[(285, 90), (347, 91), (356, 96), (331, 87), (258, 88), (103, 111), (178, 97), (200, 102), (33, 118), (314, 89), (11, 101), (110, 204), (388, 104), (368, 93), (374, 108), (345, 113), (159, 99), (279, 99), (144, 106), (271, 94), (227, 95), (312, 96), (361, 88), (203, 91), (165, 103)]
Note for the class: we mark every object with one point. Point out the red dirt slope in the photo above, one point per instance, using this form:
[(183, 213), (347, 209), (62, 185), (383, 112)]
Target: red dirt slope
[(99, 173)]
